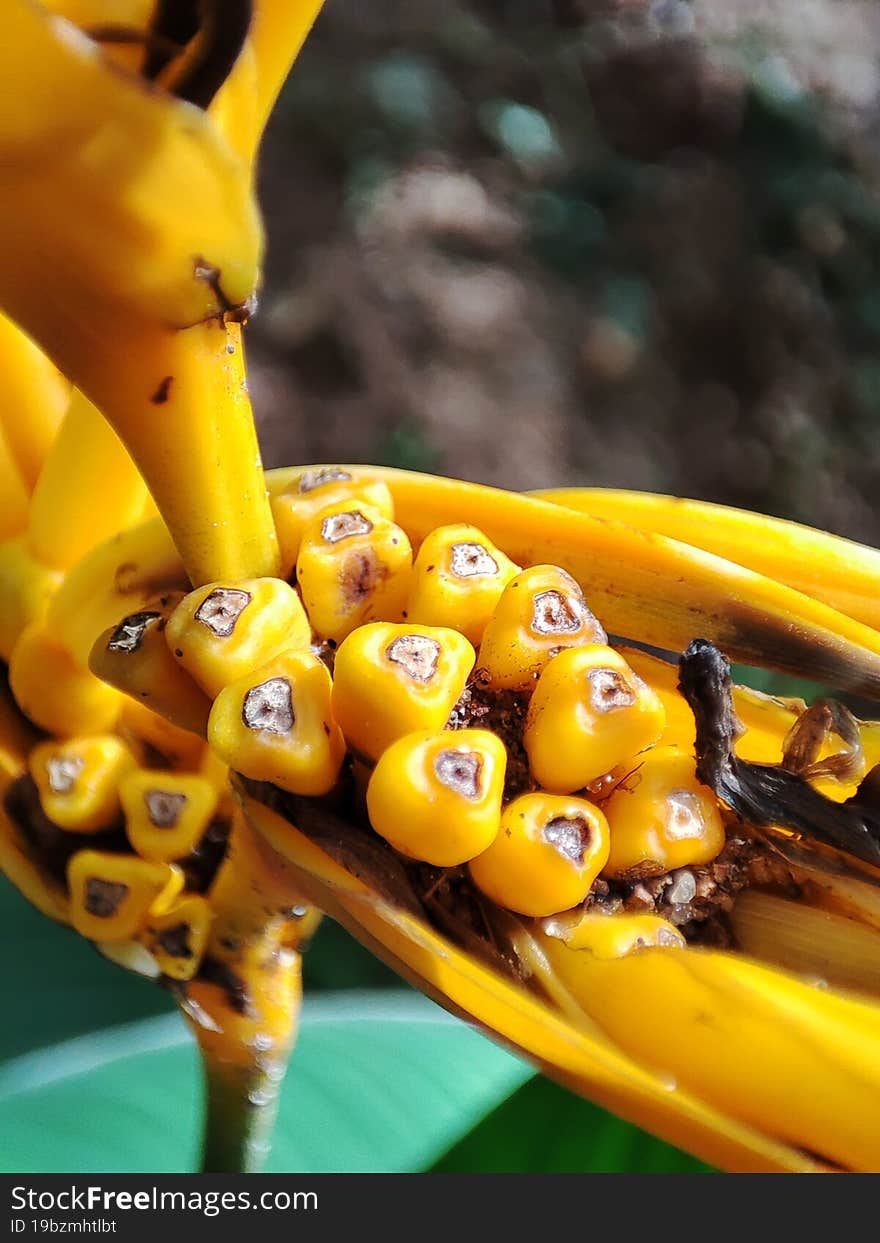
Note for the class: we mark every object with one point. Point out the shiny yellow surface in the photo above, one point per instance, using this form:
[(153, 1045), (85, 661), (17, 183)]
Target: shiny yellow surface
[(141, 888), (837, 571), (223, 631), (539, 612), (353, 567), (145, 669), (458, 577), (390, 680), (277, 725), (647, 586), (548, 851), (589, 713), (660, 815), (78, 780), (35, 397), (313, 492), (437, 797), (166, 813)]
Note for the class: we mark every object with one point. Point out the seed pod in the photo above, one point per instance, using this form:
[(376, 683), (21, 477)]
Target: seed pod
[(134, 657), (391, 680), (540, 612), (457, 581), (78, 780), (112, 896), (166, 813), (277, 725), (223, 631), (314, 491), (177, 938), (437, 797), (662, 818), (547, 854), (589, 713), (353, 567)]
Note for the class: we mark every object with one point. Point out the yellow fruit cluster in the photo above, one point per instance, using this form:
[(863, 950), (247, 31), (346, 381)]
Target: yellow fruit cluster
[(395, 662)]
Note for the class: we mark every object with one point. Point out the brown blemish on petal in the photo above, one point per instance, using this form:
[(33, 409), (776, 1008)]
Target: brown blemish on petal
[(164, 807), (268, 708), (569, 836), (103, 898), (163, 391), (460, 772), (416, 654), (129, 634), (221, 610), (609, 690)]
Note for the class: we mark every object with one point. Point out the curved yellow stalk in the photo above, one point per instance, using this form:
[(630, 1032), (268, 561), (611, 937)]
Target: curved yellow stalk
[(644, 585), (35, 396), (572, 1049), (88, 489), (13, 512), (839, 572)]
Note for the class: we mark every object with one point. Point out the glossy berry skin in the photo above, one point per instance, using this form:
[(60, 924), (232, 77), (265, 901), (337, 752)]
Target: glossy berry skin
[(223, 631), (314, 491), (540, 612), (391, 680), (354, 567), (166, 813), (277, 725), (548, 852), (112, 896), (662, 818), (614, 936), (588, 714), (437, 797), (78, 780), (457, 580)]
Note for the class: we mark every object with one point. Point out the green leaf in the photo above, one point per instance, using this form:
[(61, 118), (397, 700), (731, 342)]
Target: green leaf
[(379, 1082), (542, 1128)]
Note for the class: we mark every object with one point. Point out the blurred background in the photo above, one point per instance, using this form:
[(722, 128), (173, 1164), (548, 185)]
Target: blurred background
[(624, 242), (531, 243)]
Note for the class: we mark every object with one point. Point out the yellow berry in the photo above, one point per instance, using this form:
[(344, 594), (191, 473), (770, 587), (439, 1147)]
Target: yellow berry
[(437, 796), (457, 580), (134, 657), (662, 818), (589, 713), (540, 612), (223, 631), (166, 813), (615, 936), (112, 896), (315, 491), (354, 566), (78, 780), (277, 725), (391, 680), (547, 854), (178, 938)]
